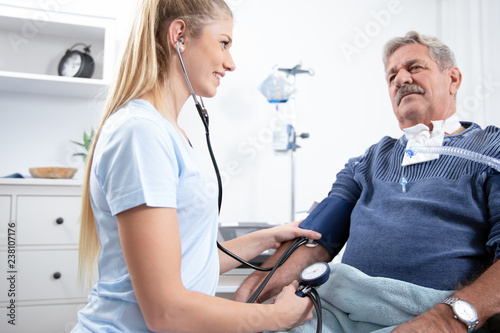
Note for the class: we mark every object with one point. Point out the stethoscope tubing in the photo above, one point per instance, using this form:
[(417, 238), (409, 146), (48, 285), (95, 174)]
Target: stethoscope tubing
[(295, 244)]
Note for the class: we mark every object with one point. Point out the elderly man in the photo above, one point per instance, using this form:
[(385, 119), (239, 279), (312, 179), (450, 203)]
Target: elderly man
[(427, 224)]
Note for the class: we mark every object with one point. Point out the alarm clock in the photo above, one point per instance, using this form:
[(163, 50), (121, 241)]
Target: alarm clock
[(75, 63)]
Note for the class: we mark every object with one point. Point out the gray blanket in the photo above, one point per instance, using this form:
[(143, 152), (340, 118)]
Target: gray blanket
[(354, 302)]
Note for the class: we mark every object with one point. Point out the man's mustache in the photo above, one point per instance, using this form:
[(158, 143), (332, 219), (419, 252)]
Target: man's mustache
[(411, 88)]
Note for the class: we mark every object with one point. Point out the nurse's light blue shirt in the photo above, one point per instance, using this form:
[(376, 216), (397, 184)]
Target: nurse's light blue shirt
[(140, 158)]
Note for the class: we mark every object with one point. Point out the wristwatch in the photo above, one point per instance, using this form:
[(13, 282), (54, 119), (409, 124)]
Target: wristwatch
[(463, 311)]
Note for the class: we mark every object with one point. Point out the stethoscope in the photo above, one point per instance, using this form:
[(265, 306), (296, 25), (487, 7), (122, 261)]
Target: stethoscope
[(312, 276)]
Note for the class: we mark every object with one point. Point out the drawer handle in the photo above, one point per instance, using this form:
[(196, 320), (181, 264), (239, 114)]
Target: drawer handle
[(56, 275), (59, 220)]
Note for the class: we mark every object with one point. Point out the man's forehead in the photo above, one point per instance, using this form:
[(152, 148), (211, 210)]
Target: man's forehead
[(407, 55)]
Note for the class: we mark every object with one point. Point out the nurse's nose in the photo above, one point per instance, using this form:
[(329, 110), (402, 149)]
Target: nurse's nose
[(229, 63)]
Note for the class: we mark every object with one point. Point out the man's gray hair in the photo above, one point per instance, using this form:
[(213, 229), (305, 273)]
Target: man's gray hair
[(438, 51)]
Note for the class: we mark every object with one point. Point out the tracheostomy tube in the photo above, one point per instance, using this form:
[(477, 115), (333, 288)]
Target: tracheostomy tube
[(455, 151)]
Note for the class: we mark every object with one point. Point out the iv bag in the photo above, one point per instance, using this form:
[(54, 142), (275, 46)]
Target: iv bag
[(277, 88)]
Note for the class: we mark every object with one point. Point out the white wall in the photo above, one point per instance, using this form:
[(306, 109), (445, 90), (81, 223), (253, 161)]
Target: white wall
[(344, 106)]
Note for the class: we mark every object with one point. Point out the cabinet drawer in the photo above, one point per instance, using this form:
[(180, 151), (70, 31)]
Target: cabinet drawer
[(35, 279), (43, 220), (4, 218), (57, 318)]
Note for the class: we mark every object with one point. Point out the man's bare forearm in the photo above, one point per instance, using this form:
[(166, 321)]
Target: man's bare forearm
[(484, 293), (284, 275)]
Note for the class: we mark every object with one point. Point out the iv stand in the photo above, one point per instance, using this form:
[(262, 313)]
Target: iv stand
[(292, 72)]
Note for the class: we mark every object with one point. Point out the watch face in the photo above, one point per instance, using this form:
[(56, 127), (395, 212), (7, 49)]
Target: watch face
[(464, 311), (71, 64)]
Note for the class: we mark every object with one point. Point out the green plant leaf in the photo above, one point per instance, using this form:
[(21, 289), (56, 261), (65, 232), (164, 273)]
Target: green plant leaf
[(78, 143), (87, 141)]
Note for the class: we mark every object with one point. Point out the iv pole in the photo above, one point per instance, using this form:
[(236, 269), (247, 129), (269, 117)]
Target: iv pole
[(291, 73)]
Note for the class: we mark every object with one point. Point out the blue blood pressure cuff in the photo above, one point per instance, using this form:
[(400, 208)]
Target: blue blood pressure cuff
[(331, 218)]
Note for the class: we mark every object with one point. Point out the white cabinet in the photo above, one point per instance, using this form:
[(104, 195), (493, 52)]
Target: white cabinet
[(39, 255), (4, 217), (34, 40), (54, 213)]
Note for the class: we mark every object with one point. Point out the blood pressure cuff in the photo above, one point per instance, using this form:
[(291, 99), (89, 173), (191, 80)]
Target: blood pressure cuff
[(331, 218)]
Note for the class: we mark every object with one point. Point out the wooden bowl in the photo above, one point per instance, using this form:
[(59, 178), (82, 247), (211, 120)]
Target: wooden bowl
[(53, 172)]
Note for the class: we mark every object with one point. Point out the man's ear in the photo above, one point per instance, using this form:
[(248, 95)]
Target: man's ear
[(455, 79), (176, 30)]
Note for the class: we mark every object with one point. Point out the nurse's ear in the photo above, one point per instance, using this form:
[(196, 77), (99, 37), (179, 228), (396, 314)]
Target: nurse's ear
[(176, 32)]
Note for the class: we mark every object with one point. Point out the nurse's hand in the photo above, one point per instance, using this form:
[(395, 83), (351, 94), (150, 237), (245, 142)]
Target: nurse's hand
[(251, 245), (278, 235), (290, 309)]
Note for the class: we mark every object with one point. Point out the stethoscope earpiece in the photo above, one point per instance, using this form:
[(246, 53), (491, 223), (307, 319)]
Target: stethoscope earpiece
[(180, 41), (179, 48)]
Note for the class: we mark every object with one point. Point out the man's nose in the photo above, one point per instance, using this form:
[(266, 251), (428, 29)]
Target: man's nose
[(403, 78)]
